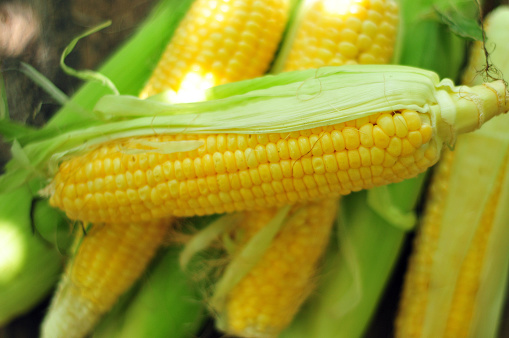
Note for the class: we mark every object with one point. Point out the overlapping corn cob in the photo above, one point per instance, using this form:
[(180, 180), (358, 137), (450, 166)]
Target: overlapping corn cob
[(457, 274), (335, 33), (219, 42), (264, 302), (124, 247), (266, 299)]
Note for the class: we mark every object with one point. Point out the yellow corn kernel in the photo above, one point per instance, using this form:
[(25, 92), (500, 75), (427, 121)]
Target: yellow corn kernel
[(266, 299), (110, 258), (219, 42), (169, 196), (344, 32)]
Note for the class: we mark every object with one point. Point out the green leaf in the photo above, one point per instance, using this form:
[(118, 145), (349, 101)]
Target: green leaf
[(459, 24), (87, 75)]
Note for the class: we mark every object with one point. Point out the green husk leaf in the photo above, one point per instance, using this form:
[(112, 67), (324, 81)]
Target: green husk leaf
[(87, 75), (278, 108), (379, 199), (12, 130), (206, 236), (460, 24), (246, 259), (4, 107), (23, 283), (44, 83)]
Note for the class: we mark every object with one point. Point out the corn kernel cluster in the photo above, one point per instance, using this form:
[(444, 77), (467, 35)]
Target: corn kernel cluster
[(233, 172), (336, 33)]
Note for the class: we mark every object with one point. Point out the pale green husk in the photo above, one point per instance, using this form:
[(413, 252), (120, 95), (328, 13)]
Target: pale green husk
[(245, 260), (485, 153), (272, 104)]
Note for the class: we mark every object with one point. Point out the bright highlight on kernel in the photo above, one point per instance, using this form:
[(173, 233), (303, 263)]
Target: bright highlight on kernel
[(341, 6)]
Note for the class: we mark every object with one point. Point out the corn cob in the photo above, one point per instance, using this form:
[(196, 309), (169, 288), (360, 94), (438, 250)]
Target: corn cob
[(219, 42), (233, 172), (463, 280), (264, 302), (103, 268), (335, 33), (266, 299)]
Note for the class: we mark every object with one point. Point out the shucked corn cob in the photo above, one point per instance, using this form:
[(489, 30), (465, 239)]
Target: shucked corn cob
[(233, 172), (460, 261), (266, 299), (86, 293), (264, 302), (219, 42), (335, 33)]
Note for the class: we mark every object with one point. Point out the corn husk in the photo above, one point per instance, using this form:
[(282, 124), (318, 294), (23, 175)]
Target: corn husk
[(478, 181)]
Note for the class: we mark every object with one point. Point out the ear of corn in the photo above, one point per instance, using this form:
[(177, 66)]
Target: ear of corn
[(164, 305), (231, 172), (265, 300), (108, 260), (219, 42), (464, 279), (335, 33), (29, 267)]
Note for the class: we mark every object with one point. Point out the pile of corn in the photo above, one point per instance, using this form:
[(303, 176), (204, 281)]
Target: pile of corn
[(208, 134)]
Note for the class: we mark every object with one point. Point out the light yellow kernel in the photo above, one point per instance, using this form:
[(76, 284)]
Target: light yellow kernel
[(219, 165), (400, 125), (348, 49), (330, 163), (255, 176), (342, 160), (351, 136), (286, 167), (297, 170), (426, 132), (365, 155), (272, 153), (304, 146), (262, 139), (208, 165), (412, 119), (276, 171), (395, 146), (316, 145), (366, 135), (406, 148), (294, 150), (240, 161), (307, 165), (318, 165), (354, 159), (338, 140), (261, 154), (389, 160), (245, 179), (386, 122), (415, 138), (223, 182), (282, 149), (348, 36), (380, 138), (251, 158), (326, 143)]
